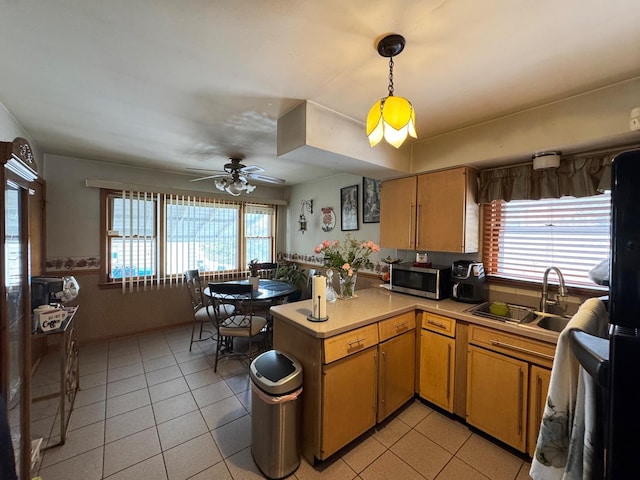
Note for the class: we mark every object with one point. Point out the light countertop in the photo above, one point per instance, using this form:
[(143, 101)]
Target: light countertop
[(374, 304)]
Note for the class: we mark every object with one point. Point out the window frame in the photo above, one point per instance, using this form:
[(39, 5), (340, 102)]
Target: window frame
[(490, 255), (160, 229)]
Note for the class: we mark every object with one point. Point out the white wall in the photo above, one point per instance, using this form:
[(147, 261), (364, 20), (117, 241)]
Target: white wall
[(591, 120), (73, 209), (324, 193)]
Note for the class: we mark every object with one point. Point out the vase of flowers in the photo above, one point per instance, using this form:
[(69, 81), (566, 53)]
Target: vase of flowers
[(346, 259)]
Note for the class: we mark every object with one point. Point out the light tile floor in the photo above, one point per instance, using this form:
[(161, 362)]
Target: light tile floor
[(149, 408)]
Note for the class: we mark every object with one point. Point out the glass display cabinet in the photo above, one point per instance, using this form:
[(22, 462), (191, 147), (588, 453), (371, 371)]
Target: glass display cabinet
[(18, 175)]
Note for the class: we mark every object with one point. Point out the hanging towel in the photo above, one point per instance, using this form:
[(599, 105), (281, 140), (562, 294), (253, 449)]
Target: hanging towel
[(564, 447)]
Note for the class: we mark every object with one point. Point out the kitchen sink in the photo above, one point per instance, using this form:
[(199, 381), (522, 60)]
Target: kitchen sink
[(555, 323), (522, 315)]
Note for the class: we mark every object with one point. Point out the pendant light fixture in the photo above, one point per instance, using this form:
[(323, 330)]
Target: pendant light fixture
[(391, 117)]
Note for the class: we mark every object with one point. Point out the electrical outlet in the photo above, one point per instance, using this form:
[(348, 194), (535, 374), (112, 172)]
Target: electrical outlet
[(634, 123)]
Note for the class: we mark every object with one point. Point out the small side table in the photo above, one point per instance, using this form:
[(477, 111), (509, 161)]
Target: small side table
[(69, 371)]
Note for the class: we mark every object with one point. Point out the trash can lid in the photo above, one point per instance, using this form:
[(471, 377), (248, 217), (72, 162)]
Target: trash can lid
[(276, 372)]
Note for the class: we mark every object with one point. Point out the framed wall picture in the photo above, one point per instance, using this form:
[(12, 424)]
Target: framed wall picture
[(370, 200), (349, 208)]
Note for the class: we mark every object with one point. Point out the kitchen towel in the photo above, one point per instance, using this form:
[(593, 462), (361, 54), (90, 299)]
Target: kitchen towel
[(564, 448)]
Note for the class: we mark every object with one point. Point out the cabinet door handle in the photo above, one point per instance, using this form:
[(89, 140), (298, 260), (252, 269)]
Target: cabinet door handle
[(376, 389), (437, 324), (448, 372), (498, 343), (520, 397), (410, 232), (400, 325), (357, 340), (538, 400), (417, 225), (383, 387)]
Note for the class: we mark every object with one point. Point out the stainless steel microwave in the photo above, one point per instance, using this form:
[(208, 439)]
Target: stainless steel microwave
[(429, 282)]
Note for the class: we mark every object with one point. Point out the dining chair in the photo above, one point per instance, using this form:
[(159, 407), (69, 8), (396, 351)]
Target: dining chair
[(200, 304), (242, 324), (267, 270)]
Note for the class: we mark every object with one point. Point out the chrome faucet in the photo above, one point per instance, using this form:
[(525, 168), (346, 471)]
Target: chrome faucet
[(562, 290)]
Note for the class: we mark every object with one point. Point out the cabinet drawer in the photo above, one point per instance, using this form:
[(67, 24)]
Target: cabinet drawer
[(396, 325), (350, 342), (516, 346), (436, 323)]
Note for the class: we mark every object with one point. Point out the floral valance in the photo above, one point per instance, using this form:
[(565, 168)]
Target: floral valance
[(579, 176)]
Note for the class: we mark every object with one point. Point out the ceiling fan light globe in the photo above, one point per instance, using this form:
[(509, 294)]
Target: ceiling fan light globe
[(232, 190), (250, 188)]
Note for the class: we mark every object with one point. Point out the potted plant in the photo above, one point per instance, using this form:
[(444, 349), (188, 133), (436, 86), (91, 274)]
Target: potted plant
[(292, 273), (254, 280)]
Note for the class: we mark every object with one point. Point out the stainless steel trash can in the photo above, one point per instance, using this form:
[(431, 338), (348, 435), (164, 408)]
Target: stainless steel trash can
[(275, 413)]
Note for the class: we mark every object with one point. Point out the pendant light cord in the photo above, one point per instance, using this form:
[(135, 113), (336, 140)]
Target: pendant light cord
[(391, 76)]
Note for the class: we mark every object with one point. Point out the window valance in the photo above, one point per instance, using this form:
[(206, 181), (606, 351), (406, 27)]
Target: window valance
[(578, 176)]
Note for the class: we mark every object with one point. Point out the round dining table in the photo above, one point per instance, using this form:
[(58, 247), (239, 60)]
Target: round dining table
[(267, 289)]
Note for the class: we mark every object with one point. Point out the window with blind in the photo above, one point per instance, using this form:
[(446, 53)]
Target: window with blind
[(522, 238), (159, 236)]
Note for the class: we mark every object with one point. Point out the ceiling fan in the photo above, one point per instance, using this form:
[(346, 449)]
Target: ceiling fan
[(235, 177)]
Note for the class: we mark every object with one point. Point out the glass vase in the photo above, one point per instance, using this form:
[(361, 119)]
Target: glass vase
[(348, 286), (332, 296)]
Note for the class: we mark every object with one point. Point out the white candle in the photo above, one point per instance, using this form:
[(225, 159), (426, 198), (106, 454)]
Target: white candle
[(319, 296)]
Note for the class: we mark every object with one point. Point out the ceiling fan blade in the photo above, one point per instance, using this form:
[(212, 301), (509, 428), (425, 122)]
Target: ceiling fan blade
[(212, 170), (266, 178), (210, 176)]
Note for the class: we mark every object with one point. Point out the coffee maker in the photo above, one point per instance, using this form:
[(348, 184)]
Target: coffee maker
[(468, 281)]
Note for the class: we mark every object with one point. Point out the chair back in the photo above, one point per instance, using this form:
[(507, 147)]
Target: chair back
[(236, 295), (194, 285), (267, 270)]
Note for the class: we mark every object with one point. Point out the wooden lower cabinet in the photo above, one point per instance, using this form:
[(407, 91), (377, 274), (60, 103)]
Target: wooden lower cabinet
[(539, 379), (345, 382), (507, 382), (437, 368), (497, 395), (437, 360), (396, 372), (349, 399)]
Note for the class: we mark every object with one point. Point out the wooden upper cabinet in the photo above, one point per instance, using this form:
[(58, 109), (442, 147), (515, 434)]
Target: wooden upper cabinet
[(434, 211), (398, 213), (448, 214)]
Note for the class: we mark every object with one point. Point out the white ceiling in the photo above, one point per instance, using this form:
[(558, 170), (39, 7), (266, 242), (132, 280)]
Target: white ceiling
[(185, 84)]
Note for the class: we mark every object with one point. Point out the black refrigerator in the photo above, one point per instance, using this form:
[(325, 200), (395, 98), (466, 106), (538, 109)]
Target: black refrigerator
[(622, 418)]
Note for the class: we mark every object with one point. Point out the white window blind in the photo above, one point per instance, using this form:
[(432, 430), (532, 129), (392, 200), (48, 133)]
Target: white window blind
[(522, 238), (154, 237)]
